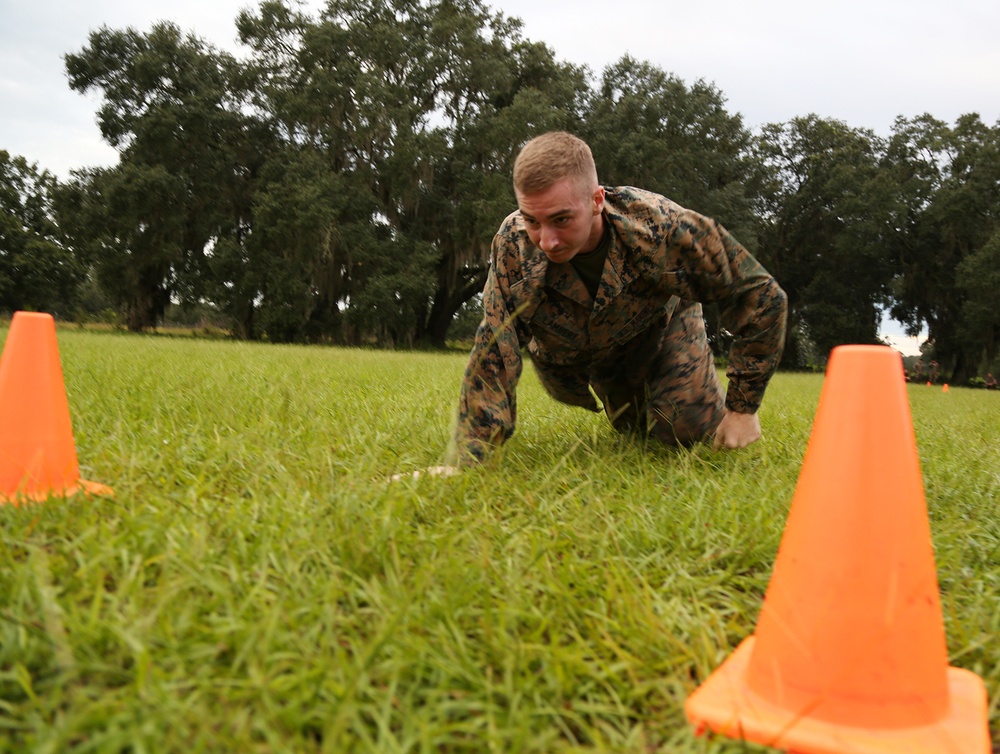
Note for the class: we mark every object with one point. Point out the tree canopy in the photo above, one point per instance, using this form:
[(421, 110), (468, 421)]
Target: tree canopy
[(341, 182)]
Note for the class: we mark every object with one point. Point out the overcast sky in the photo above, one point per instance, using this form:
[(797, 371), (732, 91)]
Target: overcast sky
[(861, 62)]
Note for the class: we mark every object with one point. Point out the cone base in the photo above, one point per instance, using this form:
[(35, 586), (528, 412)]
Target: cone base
[(724, 704), (92, 489)]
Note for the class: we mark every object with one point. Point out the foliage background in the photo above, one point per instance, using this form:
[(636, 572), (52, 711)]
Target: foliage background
[(341, 184)]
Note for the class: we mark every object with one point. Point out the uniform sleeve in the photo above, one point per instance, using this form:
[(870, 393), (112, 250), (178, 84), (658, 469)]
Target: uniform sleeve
[(487, 405), (753, 307)]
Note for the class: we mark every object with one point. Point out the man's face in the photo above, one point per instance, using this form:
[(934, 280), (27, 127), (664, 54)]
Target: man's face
[(564, 219)]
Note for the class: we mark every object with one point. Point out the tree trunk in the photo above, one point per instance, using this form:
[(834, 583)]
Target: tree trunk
[(447, 302)]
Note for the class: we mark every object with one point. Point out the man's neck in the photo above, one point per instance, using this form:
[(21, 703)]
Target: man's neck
[(596, 234)]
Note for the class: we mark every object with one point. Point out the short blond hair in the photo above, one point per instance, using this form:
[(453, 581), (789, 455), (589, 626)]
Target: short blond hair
[(552, 157)]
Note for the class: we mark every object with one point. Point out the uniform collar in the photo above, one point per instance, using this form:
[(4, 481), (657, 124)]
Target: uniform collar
[(539, 272)]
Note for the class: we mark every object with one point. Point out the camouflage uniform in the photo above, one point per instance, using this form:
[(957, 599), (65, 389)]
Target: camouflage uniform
[(640, 343)]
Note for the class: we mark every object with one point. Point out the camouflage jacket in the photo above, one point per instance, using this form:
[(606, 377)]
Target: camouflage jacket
[(660, 253)]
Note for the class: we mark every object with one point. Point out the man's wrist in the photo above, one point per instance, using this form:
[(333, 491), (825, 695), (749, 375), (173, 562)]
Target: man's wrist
[(742, 406)]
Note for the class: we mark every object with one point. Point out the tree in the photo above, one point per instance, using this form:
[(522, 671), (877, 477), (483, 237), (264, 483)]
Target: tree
[(507, 90), (130, 221), (827, 208), (648, 129), (37, 271), (311, 228), (173, 107), (949, 200), (978, 277), (421, 106)]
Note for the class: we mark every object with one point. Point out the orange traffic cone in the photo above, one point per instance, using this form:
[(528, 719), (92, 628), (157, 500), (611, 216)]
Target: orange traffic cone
[(37, 451), (849, 654), (944, 388)]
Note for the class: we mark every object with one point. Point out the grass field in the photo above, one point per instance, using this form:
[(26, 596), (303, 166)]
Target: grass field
[(258, 585)]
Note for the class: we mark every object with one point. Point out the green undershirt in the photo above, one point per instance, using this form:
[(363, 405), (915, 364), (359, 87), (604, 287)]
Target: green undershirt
[(590, 266)]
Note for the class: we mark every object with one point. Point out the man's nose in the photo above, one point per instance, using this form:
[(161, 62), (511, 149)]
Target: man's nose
[(548, 239)]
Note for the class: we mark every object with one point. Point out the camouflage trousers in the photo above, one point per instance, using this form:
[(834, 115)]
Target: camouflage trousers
[(664, 382)]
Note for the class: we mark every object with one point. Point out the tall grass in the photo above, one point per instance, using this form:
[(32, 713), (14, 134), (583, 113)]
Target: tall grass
[(258, 584)]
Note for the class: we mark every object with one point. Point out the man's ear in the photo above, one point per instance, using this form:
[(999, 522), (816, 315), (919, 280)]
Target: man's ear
[(598, 200)]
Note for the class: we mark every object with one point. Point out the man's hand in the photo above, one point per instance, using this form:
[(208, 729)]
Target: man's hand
[(737, 431), (431, 471)]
